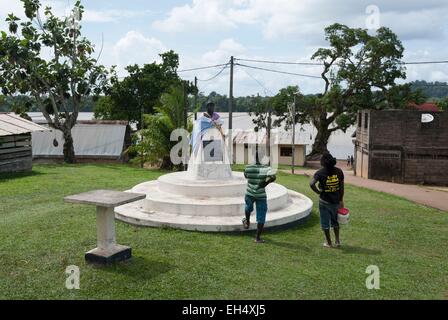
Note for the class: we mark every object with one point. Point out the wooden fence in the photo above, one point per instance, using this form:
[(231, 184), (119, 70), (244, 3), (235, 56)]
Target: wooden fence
[(16, 153)]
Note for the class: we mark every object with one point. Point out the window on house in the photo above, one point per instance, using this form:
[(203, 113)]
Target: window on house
[(359, 120), (366, 120), (285, 152)]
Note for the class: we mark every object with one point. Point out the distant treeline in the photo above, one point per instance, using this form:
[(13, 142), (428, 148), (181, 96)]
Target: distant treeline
[(19, 104), (432, 90), (240, 104)]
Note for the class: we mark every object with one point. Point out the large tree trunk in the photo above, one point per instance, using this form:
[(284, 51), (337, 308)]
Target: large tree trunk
[(68, 149), (321, 141)]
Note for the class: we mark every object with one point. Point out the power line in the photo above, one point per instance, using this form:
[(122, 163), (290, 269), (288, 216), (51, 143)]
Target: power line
[(321, 64), (266, 91), (283, 62), (278, 71), (425, 62), (216, 75), (202, 68)]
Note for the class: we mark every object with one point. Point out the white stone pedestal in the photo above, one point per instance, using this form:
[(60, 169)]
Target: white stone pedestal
[(107, 250)]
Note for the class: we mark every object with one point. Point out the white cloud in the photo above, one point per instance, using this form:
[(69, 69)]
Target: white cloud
[(244, 84), (135, 48), (63, 8), (205, 15), (112, 15), (226, 48), (304, 18)]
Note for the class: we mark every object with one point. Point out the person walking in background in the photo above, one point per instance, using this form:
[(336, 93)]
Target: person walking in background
[(330, 181), (258, 177), (348, 161), (352, 161)]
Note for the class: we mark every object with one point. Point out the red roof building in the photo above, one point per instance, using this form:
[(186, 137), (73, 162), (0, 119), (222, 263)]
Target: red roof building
[(427, 106)]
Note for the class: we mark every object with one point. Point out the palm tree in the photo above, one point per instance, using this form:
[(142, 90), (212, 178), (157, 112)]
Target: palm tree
[(169, 116)]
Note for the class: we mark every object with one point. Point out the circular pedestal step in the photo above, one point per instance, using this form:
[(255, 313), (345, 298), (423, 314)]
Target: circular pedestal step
[(200, 205), (176, 201), (179, 183), (298, 209)]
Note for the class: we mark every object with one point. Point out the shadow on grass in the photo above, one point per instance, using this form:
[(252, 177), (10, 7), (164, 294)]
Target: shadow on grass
[(358, 250), (138, 267), (20, 175), (288, 245)]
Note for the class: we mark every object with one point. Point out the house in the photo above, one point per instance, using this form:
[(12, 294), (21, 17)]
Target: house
[(427, 106), (244, 146), (94, 140), (15, 143), (403, 146)]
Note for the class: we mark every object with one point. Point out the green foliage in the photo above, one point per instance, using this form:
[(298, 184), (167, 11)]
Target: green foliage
[(43, 235), (359, 72), (55, 83), (433, 90), (443, 104), (155, 145), (240, 104), (104, 107), (141, 90)]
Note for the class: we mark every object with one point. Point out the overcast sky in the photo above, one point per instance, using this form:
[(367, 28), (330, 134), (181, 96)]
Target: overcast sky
[(207, 32)]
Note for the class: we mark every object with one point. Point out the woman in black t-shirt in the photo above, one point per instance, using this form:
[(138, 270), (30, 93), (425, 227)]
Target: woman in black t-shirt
[(330, 181)]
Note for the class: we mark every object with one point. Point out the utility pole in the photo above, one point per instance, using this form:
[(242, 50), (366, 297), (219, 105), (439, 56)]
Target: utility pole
[(185, 105), (292, 112), (229, 136), (268, 133), (185, 117), (195, 98), (142, 162), (293, 134)]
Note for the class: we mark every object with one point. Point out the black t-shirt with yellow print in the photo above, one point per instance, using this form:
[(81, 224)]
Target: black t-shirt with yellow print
[(330, 183)]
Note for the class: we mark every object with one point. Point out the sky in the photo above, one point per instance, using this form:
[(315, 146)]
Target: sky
[(208, 32)]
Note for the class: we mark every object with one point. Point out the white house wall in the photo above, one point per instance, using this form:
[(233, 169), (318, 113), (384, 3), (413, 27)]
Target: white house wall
[(89, 140)]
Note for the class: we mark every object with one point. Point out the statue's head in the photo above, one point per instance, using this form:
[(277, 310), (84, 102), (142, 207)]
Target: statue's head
[(210, 108)]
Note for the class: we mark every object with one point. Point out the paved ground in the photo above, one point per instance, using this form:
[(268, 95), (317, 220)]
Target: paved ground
[(429, 196)]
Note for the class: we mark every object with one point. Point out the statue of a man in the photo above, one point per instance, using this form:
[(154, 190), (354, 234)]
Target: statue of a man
[(209, 158), (210, 119)]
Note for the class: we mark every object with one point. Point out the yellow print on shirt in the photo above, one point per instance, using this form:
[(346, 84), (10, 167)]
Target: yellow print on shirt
[(332, 183)]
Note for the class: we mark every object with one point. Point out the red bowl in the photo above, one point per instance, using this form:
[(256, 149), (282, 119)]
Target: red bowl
[(343, 211)]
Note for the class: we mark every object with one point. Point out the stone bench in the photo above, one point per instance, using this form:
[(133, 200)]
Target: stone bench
[(107, 250)]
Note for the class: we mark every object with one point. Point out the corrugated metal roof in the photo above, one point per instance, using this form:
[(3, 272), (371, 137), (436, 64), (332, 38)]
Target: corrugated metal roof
[(12, 124)]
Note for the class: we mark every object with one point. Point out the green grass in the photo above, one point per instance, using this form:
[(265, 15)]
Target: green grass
[(40, 236)]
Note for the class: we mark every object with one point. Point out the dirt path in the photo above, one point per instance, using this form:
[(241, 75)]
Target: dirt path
[(428, 196)]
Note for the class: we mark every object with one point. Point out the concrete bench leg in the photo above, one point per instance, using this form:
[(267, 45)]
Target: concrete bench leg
[(107, 250)]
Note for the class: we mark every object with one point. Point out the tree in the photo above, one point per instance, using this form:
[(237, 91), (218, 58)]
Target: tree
[(69, 76), (443, 104), (359, 72), (139, 93), (434, 90), (155, 145)]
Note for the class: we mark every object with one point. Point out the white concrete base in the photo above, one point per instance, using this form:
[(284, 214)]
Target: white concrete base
[(175, 200), (298, 208)]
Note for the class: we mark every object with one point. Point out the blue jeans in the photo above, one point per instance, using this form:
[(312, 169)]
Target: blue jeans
[(328, 215), (262, 207)]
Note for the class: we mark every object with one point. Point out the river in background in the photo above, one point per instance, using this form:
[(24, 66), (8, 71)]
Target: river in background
[(340, 144)]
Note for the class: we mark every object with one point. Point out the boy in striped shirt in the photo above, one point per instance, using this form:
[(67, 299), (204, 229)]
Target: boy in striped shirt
[(258, 177)]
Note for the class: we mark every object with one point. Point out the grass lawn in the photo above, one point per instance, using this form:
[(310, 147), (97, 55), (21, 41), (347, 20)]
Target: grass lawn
[(40, 236)]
